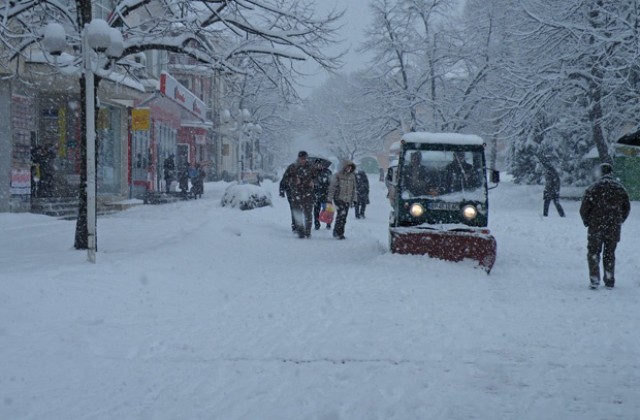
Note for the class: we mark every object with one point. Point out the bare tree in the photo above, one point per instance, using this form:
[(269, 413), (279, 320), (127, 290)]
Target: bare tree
[(577, 72), (337, 116)]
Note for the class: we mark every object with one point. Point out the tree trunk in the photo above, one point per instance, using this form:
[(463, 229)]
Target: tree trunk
[(596, 117)]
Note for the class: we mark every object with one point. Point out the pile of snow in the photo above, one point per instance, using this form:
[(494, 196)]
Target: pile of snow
[(246, 197)]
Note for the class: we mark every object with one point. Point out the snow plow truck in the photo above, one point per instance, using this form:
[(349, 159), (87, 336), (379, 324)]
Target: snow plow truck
[(440, 205)]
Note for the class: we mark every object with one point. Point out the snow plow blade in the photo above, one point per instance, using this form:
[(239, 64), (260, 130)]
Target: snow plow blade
[(448, 245)]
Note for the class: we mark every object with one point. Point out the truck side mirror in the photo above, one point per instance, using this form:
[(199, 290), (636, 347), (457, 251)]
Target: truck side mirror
[(391, 175)]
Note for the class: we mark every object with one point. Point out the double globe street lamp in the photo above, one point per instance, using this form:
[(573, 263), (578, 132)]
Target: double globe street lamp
[(98, 38)]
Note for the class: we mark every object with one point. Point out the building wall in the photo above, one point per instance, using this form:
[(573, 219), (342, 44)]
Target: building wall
[(5, 145)]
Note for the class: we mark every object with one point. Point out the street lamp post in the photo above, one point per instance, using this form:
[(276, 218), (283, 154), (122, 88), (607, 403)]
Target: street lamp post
[(97, 36)]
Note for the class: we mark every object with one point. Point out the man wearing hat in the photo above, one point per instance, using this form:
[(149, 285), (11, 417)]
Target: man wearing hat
[(605, 206), (298, 182)]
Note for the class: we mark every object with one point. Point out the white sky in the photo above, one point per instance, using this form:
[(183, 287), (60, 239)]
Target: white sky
[(197, 311), (357, 17)]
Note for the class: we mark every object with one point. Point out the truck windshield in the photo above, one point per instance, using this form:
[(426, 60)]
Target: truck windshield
[(440, 173)]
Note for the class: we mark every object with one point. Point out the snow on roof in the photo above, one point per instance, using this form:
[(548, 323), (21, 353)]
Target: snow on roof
[(447, 138)]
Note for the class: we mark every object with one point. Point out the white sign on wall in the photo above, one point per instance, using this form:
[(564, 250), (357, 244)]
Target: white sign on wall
[(171, 88)]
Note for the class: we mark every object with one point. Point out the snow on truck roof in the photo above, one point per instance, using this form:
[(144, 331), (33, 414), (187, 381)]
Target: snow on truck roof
[(446, 138)]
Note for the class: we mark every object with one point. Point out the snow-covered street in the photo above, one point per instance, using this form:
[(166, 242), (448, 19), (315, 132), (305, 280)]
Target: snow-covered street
[(197, 311)]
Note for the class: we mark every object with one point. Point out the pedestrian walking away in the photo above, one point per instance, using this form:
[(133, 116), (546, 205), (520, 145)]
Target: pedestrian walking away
[(342, 193), (551, 191), (605, 206), (298, 184), (183, 179), (169, 172), (197, 181), (321, 188), (285, 191), (362, 191)]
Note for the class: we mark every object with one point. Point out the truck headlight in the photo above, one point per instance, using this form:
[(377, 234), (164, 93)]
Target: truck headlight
[(469, 212), (416, 210)]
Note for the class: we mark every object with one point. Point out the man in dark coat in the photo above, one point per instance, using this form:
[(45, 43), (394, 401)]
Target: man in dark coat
[(362, 191), (417, 179), (605, 206), (197, 181), (460, 175), (321, 188), (298, 182), (183, 179), (551, 191), (169, 172), (285, 190)]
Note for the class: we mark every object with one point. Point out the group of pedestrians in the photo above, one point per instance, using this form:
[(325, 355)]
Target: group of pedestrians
[(185, 172), (311, 186)]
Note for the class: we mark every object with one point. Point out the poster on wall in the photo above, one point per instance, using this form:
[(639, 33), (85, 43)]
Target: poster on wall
[(22, 128), (20, 181)]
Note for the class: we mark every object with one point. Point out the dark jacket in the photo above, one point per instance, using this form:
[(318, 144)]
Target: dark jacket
[(321, 187), (169, 168), (183, 177), (362, 187), (459, 176), (298, 182), (418, 180), (197, 180), (552, 184), (605, 206)]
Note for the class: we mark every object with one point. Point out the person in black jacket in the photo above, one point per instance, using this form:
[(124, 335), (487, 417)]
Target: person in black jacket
[(362, 191), (197, 181), (183, 179), (298, 183), (320, 189), (460, 175), (169, 172), (551, 191), (605, 206)]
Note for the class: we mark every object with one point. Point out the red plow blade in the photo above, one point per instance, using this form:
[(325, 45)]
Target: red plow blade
[(446, 245)]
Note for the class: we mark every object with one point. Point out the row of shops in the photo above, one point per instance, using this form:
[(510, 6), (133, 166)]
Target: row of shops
[(137, 128)]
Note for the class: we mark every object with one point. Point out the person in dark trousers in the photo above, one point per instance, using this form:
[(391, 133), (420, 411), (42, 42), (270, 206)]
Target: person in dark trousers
[(285, 190), (169, 172), (362, 191), (551, 191), (299, 179), (43, 157), (342, 193), (321, 188), (605, 206), (197, 181), (183, 179)]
